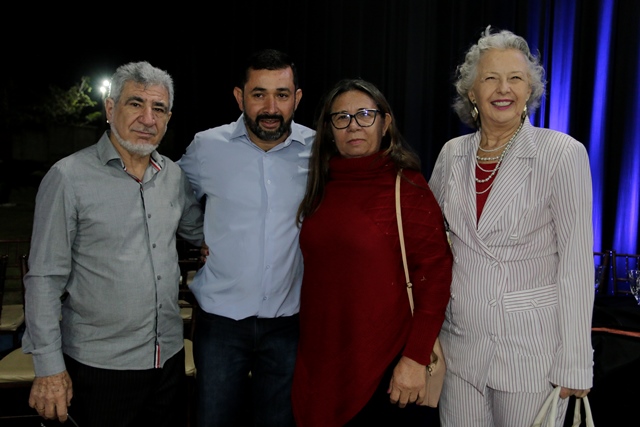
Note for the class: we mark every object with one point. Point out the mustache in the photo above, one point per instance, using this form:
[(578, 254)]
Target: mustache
[(151, 131), (269, 117)]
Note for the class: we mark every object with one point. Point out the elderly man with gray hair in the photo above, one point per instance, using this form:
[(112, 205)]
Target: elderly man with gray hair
[(103, 321)]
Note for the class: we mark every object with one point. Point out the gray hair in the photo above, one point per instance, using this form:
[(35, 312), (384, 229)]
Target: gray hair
[(143, 73), (467, 71)]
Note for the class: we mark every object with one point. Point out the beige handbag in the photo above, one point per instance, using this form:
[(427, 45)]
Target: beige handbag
[(436, 369)]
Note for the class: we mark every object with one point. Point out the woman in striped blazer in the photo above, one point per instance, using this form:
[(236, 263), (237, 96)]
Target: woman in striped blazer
[(517, 199)]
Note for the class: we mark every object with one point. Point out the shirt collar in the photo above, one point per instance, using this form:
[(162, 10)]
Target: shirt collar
[(107, 152)]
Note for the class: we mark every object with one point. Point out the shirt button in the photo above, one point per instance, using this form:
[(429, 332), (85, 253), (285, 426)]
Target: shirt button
[(153, 246), (148, 215), (158, 277)]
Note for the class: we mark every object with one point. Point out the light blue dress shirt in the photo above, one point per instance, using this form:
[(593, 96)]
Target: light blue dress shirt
[(254, 266)]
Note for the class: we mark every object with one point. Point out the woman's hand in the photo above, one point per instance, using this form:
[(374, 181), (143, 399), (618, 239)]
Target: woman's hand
[(408, 382), (566, 392)]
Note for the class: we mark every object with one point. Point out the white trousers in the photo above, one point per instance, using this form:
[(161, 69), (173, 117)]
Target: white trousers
[(462, 405)]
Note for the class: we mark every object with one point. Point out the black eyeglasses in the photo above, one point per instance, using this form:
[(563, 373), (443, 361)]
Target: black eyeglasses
[(364, 118)]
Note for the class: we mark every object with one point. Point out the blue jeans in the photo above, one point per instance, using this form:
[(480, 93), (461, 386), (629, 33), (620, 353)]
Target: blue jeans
[(244, 370)]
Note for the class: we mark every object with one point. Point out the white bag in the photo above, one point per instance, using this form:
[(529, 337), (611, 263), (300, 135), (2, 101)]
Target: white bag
[(550, 406)]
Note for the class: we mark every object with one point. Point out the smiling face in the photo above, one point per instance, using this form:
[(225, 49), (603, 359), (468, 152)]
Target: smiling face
[(268, 100), (501, 88), (139, 120), (355, 140)]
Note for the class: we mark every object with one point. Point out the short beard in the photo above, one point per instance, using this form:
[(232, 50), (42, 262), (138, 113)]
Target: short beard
[(283, 130), (141, 149)]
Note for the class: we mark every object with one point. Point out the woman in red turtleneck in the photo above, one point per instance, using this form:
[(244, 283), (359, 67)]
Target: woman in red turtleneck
[(362, 355)]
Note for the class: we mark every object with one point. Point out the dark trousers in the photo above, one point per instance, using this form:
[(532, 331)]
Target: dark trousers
[(380, 411), (122, 398), (226, 351)]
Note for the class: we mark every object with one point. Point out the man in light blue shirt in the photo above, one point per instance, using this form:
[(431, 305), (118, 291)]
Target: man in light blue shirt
[(252, 174)]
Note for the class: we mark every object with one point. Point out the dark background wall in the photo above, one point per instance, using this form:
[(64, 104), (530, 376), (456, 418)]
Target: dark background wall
[(408, 48)]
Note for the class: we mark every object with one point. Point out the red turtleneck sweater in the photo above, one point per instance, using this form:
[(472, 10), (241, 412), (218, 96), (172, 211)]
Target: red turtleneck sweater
[(354, 310)]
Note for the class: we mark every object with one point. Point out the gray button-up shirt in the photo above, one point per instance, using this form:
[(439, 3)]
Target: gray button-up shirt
[(107, 240)]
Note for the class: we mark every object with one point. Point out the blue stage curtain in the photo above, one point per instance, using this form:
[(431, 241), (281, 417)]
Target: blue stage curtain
[(579, 51)]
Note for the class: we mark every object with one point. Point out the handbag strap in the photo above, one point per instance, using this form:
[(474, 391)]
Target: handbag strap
[(402, 248), (549, 411), (577, 416)]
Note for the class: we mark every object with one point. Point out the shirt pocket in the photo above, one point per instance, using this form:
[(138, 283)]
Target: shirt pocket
[(530, 299), (531, 321)]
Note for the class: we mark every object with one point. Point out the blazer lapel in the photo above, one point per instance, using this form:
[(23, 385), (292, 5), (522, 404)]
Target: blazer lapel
[(513, 174), (463, 178), (463, 184)]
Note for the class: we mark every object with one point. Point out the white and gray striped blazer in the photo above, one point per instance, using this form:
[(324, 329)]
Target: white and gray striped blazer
[(522, 293)]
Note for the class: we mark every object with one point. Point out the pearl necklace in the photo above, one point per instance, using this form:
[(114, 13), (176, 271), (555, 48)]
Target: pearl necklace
[(492, 149), (487, 159), (498, 158)]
